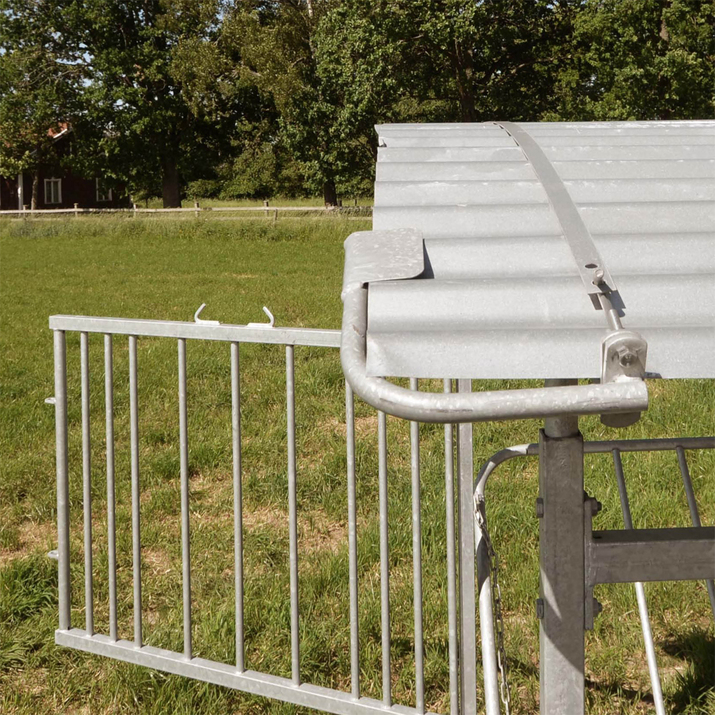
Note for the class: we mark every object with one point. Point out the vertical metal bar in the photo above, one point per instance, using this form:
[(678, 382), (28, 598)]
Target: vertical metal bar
[(467, 612), (451, 564), (63, 523), (136, 505), (237, 501), (417, 559), (185, 524), (86, 484), (292, 517), (640, 593), (561, 583), (694, 514), (384, 558), (111, 500), (486, 624), (352, 543)]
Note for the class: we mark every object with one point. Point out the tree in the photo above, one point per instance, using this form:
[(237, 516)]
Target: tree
[(40, 82), (481, 61), (329, 69), (158, 110), (641, 59)]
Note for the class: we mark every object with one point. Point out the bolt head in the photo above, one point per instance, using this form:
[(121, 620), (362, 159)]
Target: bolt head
[(628, 359)]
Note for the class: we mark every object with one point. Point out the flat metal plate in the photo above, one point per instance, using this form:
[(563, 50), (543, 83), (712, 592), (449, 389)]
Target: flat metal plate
[(501, 295), (383, 255)]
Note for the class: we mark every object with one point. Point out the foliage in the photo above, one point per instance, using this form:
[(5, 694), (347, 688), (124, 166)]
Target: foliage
[(158, 109), (254, 98), (329, 69), (644, 59), (40, 82), (484, 61)]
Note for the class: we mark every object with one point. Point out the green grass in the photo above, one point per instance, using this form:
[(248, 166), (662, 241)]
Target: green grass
[(164, 269)]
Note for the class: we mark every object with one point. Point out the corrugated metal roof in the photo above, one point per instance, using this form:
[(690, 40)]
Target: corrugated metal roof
[(501, 296)]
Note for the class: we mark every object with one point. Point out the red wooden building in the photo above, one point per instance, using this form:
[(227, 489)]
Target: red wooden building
[(59, 188)]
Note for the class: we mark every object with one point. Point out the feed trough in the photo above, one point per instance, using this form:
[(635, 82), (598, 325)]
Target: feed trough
[(581, 255)]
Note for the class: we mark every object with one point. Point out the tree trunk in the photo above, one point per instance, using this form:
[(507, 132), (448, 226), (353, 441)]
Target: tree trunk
[(467, 108), (330, 195), (463, 74), (170, 187), (35, 189)]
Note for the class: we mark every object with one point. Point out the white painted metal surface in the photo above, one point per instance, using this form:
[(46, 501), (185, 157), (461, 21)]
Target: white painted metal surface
[(501, 295)]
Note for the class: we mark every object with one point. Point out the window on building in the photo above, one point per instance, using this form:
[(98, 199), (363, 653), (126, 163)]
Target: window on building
[(53, 191), (103, 193)]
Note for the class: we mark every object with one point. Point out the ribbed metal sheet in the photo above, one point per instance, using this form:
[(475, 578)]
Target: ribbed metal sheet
[(501, 296)]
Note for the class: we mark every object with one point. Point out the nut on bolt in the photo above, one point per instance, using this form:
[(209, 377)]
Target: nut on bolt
[(626, 356)]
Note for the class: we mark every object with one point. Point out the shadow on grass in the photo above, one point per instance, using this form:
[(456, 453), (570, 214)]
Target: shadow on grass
[(692, 688), (617, 690), (697, 647)]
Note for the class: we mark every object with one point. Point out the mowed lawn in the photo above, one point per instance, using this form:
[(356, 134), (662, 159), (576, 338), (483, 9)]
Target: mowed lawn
[(164, 269)]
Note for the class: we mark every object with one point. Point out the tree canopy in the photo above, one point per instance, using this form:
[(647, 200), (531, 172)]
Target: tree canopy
[(40, 84), (255, 97)]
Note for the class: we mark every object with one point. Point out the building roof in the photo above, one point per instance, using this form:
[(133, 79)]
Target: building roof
[(501, 294)]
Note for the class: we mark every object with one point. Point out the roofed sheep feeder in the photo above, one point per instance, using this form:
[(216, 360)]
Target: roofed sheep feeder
[(553, 251)]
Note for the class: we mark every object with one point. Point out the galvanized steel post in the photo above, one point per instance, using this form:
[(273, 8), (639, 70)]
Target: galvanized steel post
[(467, 599), (561, 557), (63, 545)]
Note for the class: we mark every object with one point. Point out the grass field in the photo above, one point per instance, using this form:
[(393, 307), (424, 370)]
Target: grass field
[(164, 269)]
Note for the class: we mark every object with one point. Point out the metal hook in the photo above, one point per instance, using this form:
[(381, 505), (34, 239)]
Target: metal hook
[(205, 322), (264, 325)]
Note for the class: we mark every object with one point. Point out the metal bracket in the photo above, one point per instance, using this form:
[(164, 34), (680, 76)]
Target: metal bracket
[(372, 256), (623, 357), (204, 322), (264, 325)]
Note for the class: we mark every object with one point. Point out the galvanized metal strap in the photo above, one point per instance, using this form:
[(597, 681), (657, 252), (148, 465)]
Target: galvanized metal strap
[(591, 268)]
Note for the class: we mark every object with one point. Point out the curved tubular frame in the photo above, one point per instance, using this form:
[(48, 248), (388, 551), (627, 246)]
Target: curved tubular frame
[(617, 397), (486, 614)]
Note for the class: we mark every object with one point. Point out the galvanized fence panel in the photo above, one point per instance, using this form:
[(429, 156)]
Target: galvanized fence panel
[(238, 676)]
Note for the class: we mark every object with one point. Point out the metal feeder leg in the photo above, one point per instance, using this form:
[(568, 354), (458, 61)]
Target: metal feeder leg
[(561, 588), (467, 597)]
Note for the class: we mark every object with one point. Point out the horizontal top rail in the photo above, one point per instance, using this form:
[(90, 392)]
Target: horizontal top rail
[(593, 447), (197, 331)]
